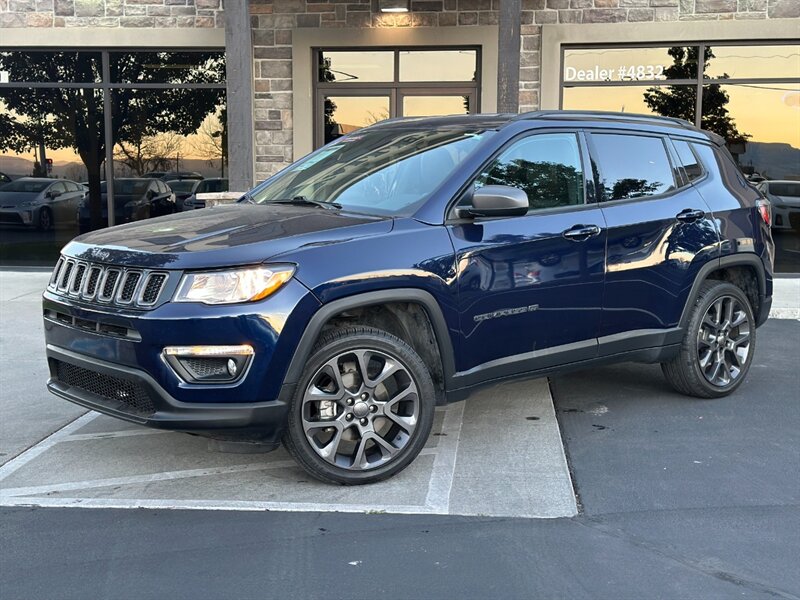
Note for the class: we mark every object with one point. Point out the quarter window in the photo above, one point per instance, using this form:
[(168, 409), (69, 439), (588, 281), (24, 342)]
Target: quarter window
[(691, 165), (546, 167), (631, 166)]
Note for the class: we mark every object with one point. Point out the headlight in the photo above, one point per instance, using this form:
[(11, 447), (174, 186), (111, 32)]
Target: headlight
[(229, 287)]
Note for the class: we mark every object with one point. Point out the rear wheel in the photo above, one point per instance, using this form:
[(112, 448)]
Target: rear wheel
[(718, 345), (363, 408)]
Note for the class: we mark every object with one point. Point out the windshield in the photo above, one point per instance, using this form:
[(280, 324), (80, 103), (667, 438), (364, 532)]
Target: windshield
[(127, 187), (212, 185), (785, 189), (182, 185), (385, 171), (20, 185)]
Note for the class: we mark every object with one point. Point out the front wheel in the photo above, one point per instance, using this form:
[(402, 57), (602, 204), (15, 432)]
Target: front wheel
[(363, 408), (45, 222), (718, 344)]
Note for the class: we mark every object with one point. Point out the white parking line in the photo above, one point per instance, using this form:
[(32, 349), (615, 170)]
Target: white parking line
[(54, 438), (240, 505), (444, 465)]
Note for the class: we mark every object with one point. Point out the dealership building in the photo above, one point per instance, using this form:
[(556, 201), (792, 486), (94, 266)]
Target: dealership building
[(241, 90)]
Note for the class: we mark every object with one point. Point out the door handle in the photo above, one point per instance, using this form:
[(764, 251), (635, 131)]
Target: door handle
[(579, 233), (690, 215)]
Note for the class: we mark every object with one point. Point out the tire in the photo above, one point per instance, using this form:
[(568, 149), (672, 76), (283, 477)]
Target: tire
[(335, 420), (718, 345), (45, 220)]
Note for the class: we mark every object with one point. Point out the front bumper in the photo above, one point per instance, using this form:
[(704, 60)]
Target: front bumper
[(21, 216), (140, 399), (111, 359)]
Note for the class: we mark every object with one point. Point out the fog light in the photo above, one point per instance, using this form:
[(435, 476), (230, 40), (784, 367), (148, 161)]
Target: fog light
[(209, 364), (26, 216)]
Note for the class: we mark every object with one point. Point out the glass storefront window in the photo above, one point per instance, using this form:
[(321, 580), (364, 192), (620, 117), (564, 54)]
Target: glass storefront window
[(167, 67), (50, 67), (344, 114), (53, 137), (353, 67), (356, 88), (438, 65), (641, 99), (627, 64), (431, 106), (753, 62)]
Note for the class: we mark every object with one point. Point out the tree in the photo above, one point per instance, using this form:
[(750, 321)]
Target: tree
[(680, 100), (152, 153), (73, 118), (212, 139)]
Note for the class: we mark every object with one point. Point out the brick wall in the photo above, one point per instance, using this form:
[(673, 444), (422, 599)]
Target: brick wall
[(111, 13)]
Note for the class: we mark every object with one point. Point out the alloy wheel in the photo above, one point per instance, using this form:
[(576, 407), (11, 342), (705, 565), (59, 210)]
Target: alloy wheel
[(723, 341), (360, 409)]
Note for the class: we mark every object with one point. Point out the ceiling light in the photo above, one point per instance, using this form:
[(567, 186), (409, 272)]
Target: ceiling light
[(394, 6)]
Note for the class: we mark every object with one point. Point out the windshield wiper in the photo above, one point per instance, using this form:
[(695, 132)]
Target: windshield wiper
[(303, 201)]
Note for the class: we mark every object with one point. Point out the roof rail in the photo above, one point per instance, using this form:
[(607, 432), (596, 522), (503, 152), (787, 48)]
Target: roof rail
[(606, 115)]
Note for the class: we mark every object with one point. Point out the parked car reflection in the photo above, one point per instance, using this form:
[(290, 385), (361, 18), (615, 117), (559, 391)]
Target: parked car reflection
[(183, 188), (134, 199), (207, 186), (39, 202)]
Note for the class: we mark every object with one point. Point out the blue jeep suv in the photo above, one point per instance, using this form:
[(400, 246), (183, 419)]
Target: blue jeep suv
[(400, 266)]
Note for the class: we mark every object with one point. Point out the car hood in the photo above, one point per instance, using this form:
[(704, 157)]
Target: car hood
[(239, 234), (13, 199)]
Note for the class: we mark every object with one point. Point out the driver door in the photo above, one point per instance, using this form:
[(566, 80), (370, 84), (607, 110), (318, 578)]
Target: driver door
[(530, 287)]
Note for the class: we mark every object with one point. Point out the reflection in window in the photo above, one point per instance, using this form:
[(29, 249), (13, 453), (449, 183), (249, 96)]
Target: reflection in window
[(770, 114), (432, 106), (381, 171), (345, 114), (50, 67), (632, 166), (546, 167), (362, 66), (691, 166), (438, 65), (628, 64), (753, 62), (632, 99), (167, 67)]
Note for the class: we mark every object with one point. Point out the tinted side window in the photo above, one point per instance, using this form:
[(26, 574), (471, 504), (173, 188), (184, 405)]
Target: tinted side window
[(58, 187), (632, 166), (690, 162), (546, 166)]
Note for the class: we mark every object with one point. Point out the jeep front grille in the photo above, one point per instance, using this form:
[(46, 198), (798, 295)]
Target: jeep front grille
[(106, 284)]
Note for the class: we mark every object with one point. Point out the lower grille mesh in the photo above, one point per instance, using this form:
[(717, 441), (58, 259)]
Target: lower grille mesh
[(123, 394)]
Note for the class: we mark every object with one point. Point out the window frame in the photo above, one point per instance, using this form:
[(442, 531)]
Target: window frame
[(394, 89), (451, 211), (677, 187)]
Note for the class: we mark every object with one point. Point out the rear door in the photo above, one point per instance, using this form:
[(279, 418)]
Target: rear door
[(530, 287), (660, 232)]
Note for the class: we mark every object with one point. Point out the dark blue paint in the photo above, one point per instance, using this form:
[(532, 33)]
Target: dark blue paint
[(514, 294)]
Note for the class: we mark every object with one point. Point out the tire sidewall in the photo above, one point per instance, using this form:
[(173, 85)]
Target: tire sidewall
[(721, 289), (45, 212), (398, 350)]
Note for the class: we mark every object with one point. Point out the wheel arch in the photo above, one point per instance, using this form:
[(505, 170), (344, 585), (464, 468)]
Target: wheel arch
[(738, 269), (328, 313)]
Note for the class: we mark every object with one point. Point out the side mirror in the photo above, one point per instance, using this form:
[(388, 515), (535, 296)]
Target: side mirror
[(498, 201), (53, 194)]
